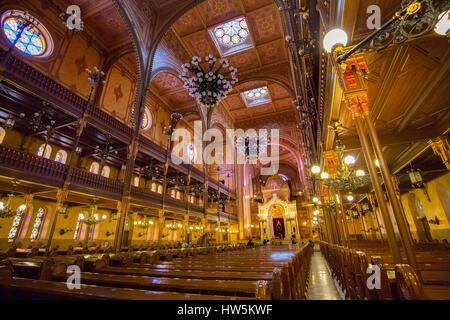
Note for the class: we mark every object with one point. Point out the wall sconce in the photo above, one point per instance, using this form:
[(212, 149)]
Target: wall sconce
[(64, 231), (108, 234)]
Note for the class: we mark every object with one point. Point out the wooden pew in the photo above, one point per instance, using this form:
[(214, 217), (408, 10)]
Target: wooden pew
[(19, 289)]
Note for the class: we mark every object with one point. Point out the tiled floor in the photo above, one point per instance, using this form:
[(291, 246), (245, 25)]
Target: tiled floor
[(321, 285)]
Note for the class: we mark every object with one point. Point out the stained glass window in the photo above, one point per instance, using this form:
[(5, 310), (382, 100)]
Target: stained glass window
[(31, 42), (2, 135), (232, 33), (47, 153), (232, 36), (91, 232), (146, 121), (38, 224), (61, 157), (256, 97), (94, 168), (105, 171), (17, 223), (78, 227)]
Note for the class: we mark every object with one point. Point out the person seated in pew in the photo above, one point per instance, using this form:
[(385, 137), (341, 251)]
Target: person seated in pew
[(185, 245), (250, 244), (179, 244)]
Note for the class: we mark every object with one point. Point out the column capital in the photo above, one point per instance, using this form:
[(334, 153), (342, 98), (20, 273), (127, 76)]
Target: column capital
[(28, 199), (441, 148), (357, 102), (133, 149)]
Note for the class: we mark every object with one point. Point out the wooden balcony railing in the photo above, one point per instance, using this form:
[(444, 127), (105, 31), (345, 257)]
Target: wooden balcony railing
[(45, 87), (95, 181), (37, 168), (146, 195)]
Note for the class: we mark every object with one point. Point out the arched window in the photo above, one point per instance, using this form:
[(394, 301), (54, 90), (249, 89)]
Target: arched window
[(160, 189), (173, 193), (2, 135), (191, 152), (91, 232), (47, 153), (105, 171), (17, 223), (153, 188), (146, 121), (37, 227), (178, 195), (61, 156), (136, 181), (94, 168), (445, 199), (78, 227)]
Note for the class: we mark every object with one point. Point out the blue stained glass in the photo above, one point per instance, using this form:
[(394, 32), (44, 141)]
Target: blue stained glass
[(30, 41), (78, 228), (37, 224)]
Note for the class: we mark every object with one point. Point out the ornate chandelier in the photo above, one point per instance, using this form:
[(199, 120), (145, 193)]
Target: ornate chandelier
[(346, 177), (5, 209), (252, 146), (92, 220), (208, 86)]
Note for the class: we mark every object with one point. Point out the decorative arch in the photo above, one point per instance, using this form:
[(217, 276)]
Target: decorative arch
[(95, 167), (444, 198), (61, 156), (45, 154), (106, 171), (17, 224)]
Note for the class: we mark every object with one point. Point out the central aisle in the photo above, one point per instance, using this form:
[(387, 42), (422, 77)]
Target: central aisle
[(321, 285)]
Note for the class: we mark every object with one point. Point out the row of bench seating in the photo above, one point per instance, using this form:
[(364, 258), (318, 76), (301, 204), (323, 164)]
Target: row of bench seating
[(220, 273), (431, 280)]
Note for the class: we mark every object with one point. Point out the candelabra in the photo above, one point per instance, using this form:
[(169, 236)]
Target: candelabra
[(415, 18), (144, 224), (93, 219), (252, 146), (346, 177), (173, 226), (177, 181), (208, 86), (174, 119), (104, 153), (153, 172), (94, 77)]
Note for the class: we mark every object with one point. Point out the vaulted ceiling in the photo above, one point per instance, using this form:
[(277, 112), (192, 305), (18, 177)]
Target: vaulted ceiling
[(265, 63)]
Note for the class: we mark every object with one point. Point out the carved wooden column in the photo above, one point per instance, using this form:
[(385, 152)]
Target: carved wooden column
[(186, 228), (342, 217), (161, 220), (441, 147), (399, 215), (375, 181), (61, 197), (380, 226)]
